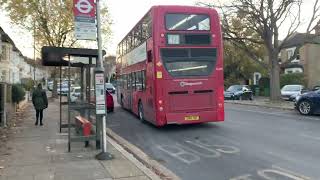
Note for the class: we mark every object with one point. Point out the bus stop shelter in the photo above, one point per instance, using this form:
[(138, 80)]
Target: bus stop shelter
[(84, 61)]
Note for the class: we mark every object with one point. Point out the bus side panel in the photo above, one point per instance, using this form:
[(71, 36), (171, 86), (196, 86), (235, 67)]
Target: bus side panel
[(150, 91), (149, 108)]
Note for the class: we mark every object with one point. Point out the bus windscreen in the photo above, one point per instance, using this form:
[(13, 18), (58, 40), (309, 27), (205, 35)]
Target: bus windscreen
[(189, 61), (188, 22)]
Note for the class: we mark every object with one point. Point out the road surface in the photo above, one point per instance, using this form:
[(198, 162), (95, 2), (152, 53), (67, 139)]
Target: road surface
[(252, 143)]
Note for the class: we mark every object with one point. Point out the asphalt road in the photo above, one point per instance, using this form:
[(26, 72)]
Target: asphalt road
[(252, 143)]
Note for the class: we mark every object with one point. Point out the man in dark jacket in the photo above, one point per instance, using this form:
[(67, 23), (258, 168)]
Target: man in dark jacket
[(40, 102)]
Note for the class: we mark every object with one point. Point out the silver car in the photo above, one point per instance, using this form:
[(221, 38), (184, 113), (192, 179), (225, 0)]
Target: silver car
[(290, 91)]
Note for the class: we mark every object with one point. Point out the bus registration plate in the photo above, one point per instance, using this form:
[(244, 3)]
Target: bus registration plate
[(191, 118)]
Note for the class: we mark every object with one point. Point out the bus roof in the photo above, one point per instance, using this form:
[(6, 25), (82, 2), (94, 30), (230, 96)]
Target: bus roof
[(173, 7)]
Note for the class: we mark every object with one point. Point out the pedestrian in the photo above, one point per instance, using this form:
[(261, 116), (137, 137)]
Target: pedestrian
[(40, 102)]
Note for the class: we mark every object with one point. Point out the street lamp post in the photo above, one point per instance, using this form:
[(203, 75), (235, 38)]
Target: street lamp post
[(34, 51), (100, 93)]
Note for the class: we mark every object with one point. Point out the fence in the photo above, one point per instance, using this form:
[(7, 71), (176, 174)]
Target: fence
[(7, 109)]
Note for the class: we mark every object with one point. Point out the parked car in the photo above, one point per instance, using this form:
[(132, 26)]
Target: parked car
[(50, 85), (238, 92), (63, 91), (76, 91), (110, 88), (308, 103), (316, 88), (289, 92), (109, 100), (75, 94)]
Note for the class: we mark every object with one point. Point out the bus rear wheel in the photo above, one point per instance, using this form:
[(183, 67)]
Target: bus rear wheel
[(140, 112)]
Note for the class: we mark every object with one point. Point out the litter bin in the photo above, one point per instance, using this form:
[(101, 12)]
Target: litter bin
[(256, 91), (267, 92)]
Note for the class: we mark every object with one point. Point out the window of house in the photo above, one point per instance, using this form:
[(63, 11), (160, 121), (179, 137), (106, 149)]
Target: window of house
[(4, 53), (290, 53)]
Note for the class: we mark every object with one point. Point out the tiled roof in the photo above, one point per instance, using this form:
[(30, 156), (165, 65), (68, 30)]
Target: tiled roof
[(6, 38), (300, 39)]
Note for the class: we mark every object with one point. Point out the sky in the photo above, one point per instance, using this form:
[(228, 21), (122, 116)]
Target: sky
[(124, 13)]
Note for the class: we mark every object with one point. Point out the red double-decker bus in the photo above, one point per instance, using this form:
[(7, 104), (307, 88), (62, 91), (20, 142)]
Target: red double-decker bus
[(170, 66)]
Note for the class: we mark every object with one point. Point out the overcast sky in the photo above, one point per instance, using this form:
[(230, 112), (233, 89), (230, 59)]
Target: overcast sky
[(125, 14)]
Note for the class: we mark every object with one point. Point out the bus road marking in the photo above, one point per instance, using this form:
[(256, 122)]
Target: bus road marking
[(221, 148), (180, 154), (211, 153), (266, 174), (195, 150)]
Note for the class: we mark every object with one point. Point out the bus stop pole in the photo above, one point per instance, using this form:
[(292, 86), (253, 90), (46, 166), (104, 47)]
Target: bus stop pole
[(104, 155)]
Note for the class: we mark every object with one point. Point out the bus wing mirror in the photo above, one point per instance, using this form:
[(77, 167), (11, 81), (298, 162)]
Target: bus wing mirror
[(149, 56)]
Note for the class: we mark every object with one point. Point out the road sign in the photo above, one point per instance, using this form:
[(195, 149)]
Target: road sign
[(84, 17)]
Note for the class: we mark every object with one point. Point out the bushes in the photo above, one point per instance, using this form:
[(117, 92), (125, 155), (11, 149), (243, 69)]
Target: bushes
[(18, 93), (27, 84), (293, 78)]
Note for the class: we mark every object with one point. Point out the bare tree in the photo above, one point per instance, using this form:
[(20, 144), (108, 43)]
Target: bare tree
[(52, 23), (266, 18), (109, 64)]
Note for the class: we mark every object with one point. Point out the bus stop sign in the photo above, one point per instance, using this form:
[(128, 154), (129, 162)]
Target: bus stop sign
[(84, 8)]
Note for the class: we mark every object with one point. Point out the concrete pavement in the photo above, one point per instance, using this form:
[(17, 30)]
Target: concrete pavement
[(264, 102), (40, 153)]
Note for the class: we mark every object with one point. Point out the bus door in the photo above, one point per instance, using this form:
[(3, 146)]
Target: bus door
[(130, 90)]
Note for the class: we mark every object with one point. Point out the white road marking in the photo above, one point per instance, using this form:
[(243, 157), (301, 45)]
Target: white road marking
[(310, 137), (266, 174), (190, 155), (288, 171), (212, 153), (243, 177), (221, 148), (281, 114), (178, 153)]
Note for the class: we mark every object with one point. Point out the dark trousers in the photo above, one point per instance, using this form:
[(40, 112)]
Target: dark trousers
[(39, 113)]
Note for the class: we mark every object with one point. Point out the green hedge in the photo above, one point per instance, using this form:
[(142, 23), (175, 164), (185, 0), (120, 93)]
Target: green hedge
[(18, 93), (293, 78)]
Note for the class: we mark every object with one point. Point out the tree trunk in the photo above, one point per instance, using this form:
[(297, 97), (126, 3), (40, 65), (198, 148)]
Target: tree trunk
[(274, 77), (55, 86)]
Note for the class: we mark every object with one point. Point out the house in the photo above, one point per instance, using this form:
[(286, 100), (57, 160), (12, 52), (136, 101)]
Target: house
[(109, 65), (14, 68), (307, 59)]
